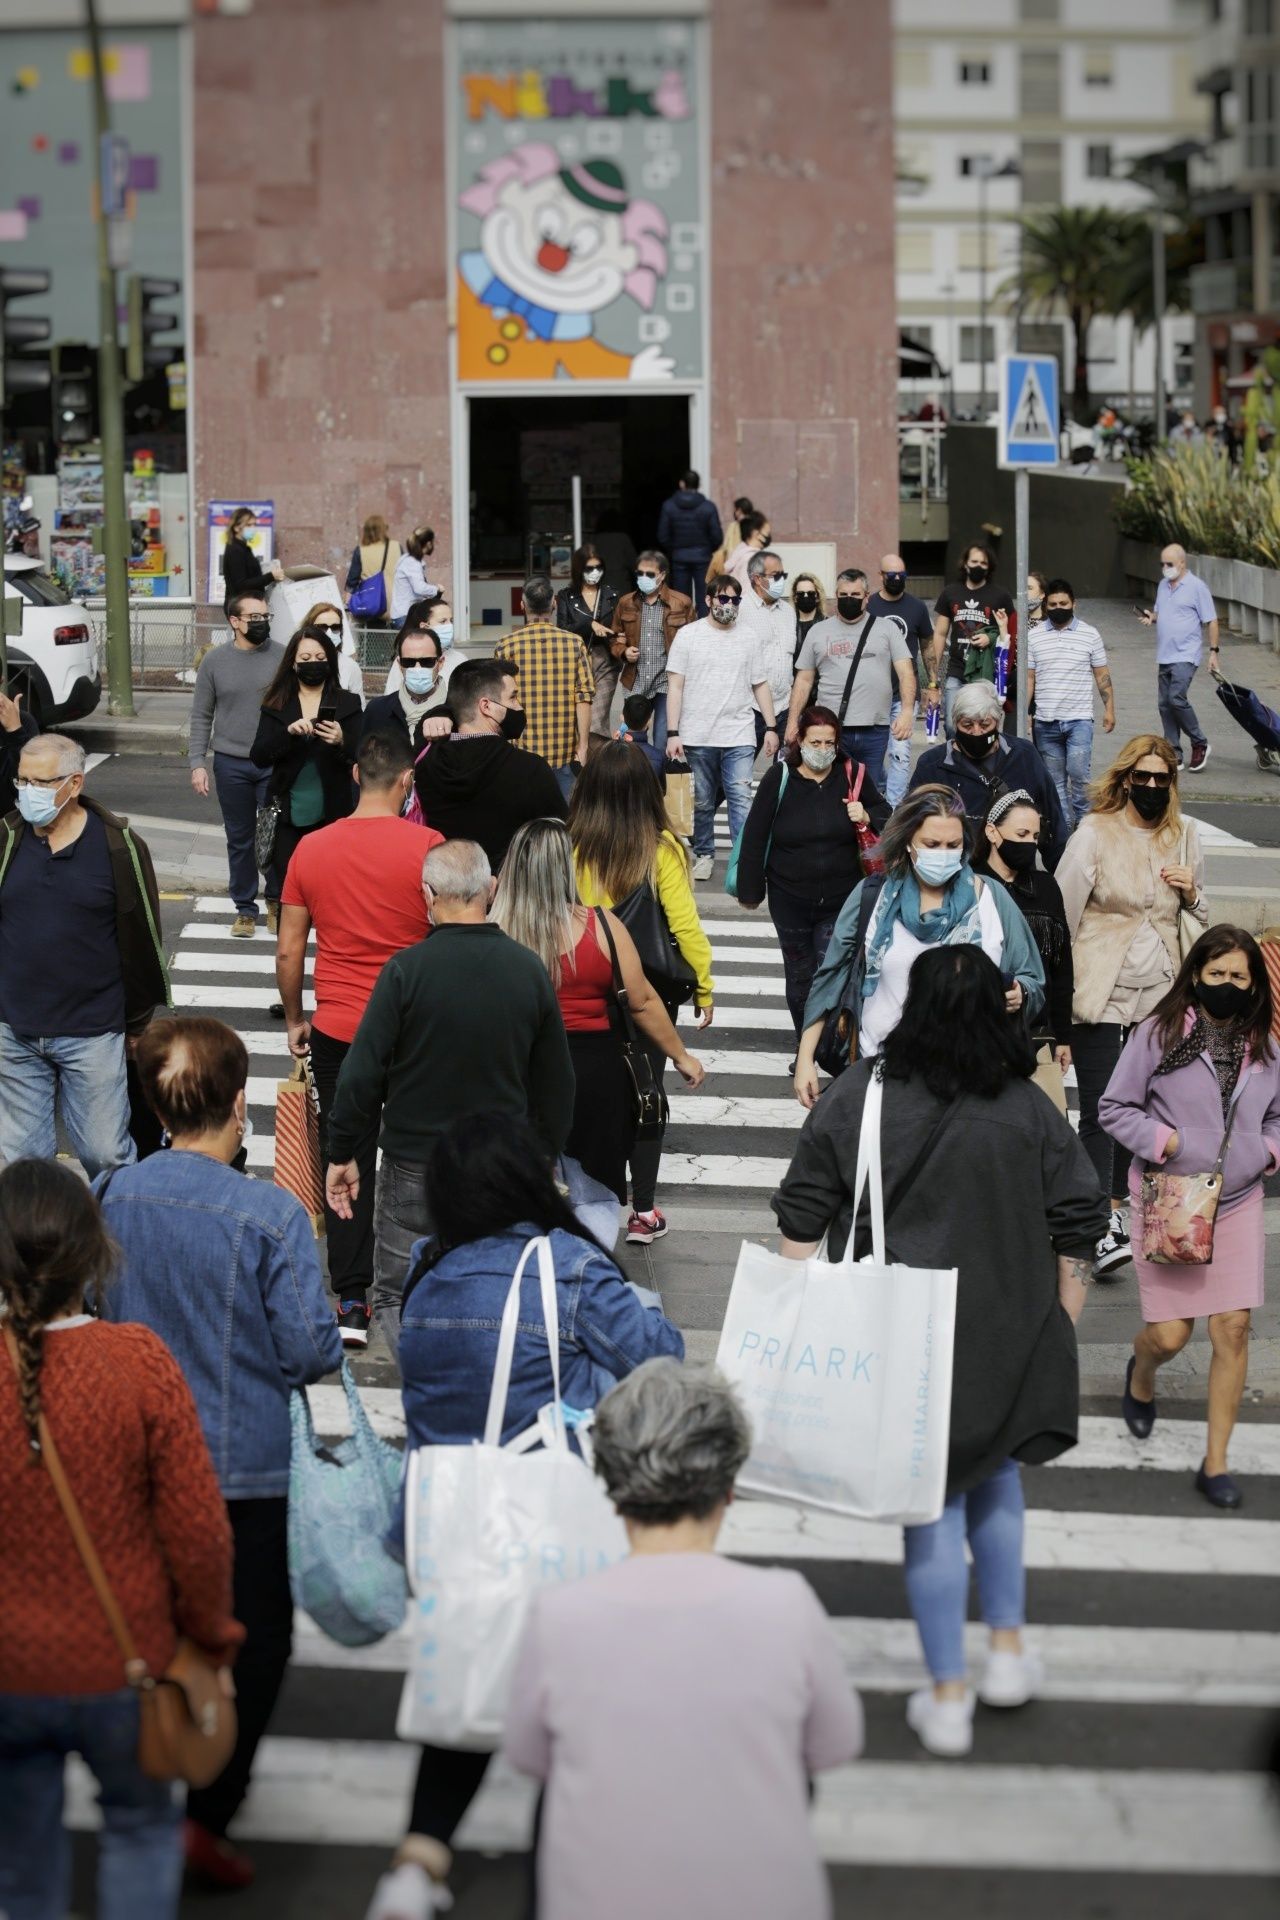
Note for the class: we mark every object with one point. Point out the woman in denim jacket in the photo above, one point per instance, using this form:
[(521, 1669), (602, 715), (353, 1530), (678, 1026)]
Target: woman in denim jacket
[(490, 1191), (225, 1270)]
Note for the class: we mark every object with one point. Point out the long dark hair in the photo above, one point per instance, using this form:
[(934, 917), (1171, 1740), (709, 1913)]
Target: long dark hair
[(53, 1243), (285, 684), (617, 818), (1170, 1015), (955, 1033), (578, 564)]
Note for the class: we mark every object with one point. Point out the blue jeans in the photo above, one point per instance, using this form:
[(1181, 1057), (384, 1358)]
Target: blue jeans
[(565, 777), (897, 766), (1066, 747), (87, 1077), (690, 576), (658, 724), (713, 768), (140, 1846), (1177, 715), (870, 745), (242, 789), (991, 1516)]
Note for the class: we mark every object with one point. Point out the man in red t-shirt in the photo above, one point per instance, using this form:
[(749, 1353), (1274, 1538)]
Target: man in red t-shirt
[(359, 884)]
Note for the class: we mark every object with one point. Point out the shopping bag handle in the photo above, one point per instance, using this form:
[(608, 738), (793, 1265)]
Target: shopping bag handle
[(869, 1169), (501, 1386)]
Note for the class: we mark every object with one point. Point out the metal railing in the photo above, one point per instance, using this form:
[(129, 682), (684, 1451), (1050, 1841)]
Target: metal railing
[(168, 642), (922, 460)]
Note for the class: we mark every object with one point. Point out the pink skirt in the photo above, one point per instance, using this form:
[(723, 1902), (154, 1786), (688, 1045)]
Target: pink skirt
[(1233, 1279)]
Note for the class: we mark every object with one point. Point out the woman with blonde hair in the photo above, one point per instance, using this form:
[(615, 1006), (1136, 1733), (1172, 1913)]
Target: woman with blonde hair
[(242, 571), (1132, 870), (376, 553), (330, 619), (626, 857), (411, 583), (590, 957)]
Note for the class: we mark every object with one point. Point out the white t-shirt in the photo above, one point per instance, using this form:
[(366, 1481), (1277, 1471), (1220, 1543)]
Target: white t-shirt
[(774, 624), (720, 666), (883, 1010), (1063, 662)]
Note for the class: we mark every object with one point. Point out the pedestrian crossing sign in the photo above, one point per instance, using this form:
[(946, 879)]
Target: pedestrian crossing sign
[(1028, 410)]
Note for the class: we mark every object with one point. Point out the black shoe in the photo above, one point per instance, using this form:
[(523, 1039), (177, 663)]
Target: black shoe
[(1219, 1489), (1113, 1250), (1139, 1415), (354, 1317), (276, 1010)]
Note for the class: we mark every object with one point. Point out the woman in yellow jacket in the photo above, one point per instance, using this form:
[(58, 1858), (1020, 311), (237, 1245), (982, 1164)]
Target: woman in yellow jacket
[(621, 845)]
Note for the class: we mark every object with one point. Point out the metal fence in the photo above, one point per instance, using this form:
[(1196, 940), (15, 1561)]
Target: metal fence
[(169, 641)]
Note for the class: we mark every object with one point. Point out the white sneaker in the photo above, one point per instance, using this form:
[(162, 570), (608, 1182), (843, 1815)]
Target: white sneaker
[(408, 1893), (944, 1727), (704, 866), (1114, 1249), (1011, 1679)]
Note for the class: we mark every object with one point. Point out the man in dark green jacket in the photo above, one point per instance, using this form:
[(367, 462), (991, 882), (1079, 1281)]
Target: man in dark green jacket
[(464, 1022)]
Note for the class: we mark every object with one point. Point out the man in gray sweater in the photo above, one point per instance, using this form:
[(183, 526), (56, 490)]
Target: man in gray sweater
[(224, 714)]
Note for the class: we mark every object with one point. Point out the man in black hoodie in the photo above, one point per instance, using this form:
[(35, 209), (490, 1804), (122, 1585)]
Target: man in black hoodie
[(689, 530), (477, 785)]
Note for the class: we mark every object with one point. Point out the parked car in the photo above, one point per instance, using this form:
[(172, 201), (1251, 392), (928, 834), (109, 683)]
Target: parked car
[(53, 662)]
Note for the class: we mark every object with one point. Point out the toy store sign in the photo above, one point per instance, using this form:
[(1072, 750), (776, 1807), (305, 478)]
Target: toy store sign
[(580, 225)]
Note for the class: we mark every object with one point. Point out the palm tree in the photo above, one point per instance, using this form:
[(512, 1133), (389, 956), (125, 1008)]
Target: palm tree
[(1069, 260)]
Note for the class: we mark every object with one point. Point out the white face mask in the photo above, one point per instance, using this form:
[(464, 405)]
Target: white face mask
[(647, 582), (1169, 571), (593, 576)]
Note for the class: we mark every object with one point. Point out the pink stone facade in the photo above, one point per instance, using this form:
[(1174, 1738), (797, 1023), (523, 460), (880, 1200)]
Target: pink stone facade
[(321, 332)]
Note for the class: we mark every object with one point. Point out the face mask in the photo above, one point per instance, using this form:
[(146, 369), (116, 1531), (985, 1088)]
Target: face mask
[(1224, 1001), (1034, 600), (819, 758), (1170, 573), (647, 582), (976, 576), (937, 866), (39, 806), (895, 583), (312, 673), (258, 629), (1061, 617), (444, 633), (514, 722), (850, 605), (976, 745), (1018, 854), (725, 611), (1150, 802), (419, 680), (806, 603), (246, 534), (776, 588), (593, 576)]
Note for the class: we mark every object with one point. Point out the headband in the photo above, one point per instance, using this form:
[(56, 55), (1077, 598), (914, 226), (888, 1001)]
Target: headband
[(1007, 802)]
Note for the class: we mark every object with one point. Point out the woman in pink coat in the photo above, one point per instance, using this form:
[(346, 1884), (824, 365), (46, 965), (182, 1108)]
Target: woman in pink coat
[(1204, 1057)]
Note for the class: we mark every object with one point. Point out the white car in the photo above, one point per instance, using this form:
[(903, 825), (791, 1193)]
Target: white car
[(53, 662)]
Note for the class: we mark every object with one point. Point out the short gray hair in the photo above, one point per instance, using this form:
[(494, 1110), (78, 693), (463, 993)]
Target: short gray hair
[(538, 594), (979, 701), (70, 753), (670, 1442), (755, 565), (852, 573), (459, 870)]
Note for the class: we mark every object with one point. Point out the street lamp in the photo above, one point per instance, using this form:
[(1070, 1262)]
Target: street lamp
[(986, 169), (948, 291)]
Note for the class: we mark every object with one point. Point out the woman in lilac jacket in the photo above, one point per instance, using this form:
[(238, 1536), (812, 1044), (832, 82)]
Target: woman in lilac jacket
[(1204, 1055)]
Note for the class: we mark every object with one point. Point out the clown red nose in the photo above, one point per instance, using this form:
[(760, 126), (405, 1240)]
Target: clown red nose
[(551, 258)]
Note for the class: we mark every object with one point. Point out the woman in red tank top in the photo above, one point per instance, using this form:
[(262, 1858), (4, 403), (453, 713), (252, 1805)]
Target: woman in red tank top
[(537, 904)]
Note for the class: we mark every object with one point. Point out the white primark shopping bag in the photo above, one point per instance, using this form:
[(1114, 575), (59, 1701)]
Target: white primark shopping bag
[(485, 1527), (845, 1369)]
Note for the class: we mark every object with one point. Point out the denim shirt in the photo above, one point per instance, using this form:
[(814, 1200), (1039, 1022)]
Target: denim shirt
[(225, 1269), (449, 1336)]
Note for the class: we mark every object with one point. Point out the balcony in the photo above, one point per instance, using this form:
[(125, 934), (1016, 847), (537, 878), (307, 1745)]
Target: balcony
[(1217, 169), (1226, 286)]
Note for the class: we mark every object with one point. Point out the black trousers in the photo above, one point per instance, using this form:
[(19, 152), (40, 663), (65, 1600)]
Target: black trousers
[(449, 1778), (804, 929), (1096, 1051), (350, 1241), (263, 1605)]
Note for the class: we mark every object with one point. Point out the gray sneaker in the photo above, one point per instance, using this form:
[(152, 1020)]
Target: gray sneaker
[(704, 866)]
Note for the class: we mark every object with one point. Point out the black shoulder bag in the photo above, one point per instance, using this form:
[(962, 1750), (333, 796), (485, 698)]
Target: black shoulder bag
[(649, 1107), (847, 695), (837, 1045), (666, 969)]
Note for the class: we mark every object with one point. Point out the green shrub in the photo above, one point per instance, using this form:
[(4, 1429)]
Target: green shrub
[(1196, 497)]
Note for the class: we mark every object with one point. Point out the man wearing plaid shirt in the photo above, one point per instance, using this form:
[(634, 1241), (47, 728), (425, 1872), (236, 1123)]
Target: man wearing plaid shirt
[(557, 685)]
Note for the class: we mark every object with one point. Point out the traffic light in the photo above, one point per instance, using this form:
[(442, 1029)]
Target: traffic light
[(22, 372), (74, 395), (141, 358)]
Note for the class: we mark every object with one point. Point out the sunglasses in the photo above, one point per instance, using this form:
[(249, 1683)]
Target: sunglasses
[(1138, 778), (727, 599)]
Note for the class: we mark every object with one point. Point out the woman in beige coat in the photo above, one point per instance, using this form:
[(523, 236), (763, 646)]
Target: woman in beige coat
[(1132, 870)]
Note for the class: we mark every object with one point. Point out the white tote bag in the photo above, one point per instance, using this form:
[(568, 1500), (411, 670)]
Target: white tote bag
[(845, 1369), (485, 1527)]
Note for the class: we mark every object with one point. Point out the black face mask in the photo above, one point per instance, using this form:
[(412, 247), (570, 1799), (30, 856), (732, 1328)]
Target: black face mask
[(1224, 1001), (976, 745), (850, 605), (312, 673), (514, 722), (1060, 616), (894, 583), (1019, 855), (257, 629), (976, 576), (1151, 802), (806, 603)]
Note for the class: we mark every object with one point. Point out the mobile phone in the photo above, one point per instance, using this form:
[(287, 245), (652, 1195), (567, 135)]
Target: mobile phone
[(1141, 612), (327, 713)]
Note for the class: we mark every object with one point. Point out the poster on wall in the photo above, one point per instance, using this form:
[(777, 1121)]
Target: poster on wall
[(262, 538), (580, 229)]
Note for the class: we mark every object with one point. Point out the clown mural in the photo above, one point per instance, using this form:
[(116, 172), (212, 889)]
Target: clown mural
[(561, 240)]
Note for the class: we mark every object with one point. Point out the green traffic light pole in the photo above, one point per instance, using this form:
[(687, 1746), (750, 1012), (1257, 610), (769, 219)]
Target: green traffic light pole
[(115, 520)]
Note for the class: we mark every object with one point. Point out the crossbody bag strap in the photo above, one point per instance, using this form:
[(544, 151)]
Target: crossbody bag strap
[(619, 991), (1220, 1162), (847, 695), (135, 1666), (152, 929), (386, 549)]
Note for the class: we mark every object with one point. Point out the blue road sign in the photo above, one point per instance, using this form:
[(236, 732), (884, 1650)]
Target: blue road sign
[(1029, 411)]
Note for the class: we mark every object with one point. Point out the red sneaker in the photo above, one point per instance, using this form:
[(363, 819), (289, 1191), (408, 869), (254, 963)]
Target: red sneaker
[(1199, 754), (644, 1228), (215, 1861)]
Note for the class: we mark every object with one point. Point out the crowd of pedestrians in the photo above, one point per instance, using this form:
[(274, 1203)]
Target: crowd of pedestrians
[(506, 928)]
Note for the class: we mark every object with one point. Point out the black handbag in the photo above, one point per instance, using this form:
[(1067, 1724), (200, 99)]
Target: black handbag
[(649, 1107), (265, 828), (837, 1046), (666, 969)]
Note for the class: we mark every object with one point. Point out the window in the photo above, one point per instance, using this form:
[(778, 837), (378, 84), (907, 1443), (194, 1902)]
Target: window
[(1041, 173), (1097, 157), (968, 258), (1040, 336), (1259, 19), (975, 73), (921, 331), (912, 166), (915, 249), (911, 65), (972, 165), (1040, 73), (971, 348), (1039, 9), (1098, 67)]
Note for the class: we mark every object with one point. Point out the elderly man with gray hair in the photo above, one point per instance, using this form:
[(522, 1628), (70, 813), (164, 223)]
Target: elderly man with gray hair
[(739, 1699), (980, 765), (81, 965), (464, 1022)]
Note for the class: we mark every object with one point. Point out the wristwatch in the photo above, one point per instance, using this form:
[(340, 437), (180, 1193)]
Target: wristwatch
[(673, 733)]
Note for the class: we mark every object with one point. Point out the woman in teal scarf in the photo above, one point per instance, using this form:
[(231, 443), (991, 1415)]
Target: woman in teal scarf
[(929, 897)]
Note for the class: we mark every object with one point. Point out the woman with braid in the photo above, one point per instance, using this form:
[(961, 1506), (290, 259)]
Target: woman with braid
[(125, 1427)]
